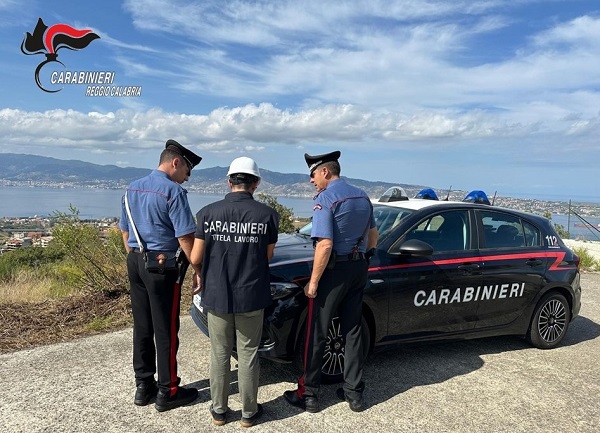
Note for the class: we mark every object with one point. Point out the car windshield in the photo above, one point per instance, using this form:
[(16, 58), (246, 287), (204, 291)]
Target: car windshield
[(386, 217)]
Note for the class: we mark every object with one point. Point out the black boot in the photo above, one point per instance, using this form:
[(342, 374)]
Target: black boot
[(145, 392), (182, 397)]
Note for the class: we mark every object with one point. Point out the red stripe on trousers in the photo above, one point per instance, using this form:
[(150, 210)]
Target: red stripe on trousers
[(308, 339)]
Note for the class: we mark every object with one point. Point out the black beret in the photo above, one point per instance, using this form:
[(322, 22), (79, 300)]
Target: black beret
[(316, 160), (191, 158)]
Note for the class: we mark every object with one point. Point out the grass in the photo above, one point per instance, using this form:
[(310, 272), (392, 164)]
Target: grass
[(37, 310), (29, 324), (28, 286)]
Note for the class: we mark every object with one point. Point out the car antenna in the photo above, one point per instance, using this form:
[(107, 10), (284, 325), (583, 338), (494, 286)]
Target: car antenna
[(448, 195), (494, 197)]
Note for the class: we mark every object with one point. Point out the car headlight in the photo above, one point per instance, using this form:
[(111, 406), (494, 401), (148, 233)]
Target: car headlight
[(283, 290)]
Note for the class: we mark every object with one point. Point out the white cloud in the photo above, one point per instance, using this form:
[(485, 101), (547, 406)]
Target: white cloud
[(258, 127), (399, 56), (120, 44), (581, 33)]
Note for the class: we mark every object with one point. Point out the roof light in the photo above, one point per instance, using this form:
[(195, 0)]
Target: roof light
[(477, 197), (427, 194), (395, 193)]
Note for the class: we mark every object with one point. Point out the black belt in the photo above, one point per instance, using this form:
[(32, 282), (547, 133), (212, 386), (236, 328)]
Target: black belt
[(350, 257), (136, 250)]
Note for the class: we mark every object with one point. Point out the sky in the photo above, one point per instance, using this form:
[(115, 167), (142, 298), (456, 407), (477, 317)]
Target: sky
[(501, 96)]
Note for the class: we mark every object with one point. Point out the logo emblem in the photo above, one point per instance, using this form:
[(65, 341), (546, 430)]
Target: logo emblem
[(48, 40)]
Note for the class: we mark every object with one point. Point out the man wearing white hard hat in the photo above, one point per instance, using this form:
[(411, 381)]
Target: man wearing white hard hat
[(235, 239)]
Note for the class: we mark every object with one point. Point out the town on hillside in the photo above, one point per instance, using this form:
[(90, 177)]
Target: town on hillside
[(23, 232)]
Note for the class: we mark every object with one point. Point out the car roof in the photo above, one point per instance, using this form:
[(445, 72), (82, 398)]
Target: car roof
[(415, 203), (418, 204)]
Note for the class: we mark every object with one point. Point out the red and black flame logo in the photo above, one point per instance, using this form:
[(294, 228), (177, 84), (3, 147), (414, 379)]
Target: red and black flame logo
[(48, 40)]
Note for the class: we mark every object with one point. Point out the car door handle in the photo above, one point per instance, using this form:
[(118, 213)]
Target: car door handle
[(469, 267), (533, 262)]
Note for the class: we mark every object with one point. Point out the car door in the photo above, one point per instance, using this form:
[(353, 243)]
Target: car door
[(513, 265), (434, 295)]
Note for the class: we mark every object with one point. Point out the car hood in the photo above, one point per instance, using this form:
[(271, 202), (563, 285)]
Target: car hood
[(292, 247)]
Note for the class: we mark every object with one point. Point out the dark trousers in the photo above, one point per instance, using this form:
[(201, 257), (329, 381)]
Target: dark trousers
[(340, 290), (155, 302)]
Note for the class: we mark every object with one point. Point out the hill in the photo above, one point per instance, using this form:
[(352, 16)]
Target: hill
[(19, 169)]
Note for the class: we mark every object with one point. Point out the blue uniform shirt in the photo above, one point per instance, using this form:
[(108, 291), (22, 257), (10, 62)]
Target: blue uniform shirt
[(160, 211), (340, 213)]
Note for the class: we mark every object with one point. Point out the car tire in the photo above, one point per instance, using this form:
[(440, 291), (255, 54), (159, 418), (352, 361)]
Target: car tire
[(550, 321), (332, 369)]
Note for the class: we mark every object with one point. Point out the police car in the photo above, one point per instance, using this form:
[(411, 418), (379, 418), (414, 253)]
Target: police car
[(442, 270)]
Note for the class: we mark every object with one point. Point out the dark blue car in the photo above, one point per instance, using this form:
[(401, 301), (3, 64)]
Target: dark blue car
[(442, 270)]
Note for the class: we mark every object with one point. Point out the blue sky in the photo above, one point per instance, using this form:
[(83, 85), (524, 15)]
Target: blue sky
[(495, 95)]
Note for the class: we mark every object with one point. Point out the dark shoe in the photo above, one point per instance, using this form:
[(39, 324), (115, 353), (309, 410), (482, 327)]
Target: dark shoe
[(249, 422), (356, 405), (182, 397), (217, 418), (308, 403), (145, 392)]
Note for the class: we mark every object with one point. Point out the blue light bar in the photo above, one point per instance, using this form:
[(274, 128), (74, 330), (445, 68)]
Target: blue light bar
[(427, 194), (477, 196), (395, 193)]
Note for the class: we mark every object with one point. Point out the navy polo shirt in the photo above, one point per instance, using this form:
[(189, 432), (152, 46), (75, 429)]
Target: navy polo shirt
[(341, 213), (160, 211), (235, 269)]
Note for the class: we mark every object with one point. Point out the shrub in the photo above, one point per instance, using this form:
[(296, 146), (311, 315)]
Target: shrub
[(27, 258), (100, 263), (587, 261)]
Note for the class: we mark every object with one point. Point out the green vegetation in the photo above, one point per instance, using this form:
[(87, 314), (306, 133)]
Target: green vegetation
[(560, 229), (92, 262), (587, 263), (35, 258), (286, 215)]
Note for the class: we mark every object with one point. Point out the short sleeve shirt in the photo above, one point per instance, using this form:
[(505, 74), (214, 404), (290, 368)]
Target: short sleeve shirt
[(160, 211), (235, 270), (341, 212)]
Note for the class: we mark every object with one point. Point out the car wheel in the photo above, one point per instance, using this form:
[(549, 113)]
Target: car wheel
[(334, 356), (550, 321)]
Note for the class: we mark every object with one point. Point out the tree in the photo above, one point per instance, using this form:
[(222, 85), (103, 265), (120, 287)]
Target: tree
[(286, 214), (560, 229)]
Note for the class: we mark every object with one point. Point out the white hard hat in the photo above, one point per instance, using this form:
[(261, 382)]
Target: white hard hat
[(243, 164)]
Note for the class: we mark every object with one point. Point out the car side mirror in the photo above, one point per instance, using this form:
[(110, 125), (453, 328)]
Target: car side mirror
[(412, 247)]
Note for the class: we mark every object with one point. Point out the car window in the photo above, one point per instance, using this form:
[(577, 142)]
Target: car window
[(446, 231), (533, 237), (386, 219), (503, 230), (305, 230)]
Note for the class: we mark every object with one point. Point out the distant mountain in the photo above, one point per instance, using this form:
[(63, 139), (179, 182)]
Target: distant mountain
[(41, 170)]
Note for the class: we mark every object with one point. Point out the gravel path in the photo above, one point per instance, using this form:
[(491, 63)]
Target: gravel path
[(496, 385)]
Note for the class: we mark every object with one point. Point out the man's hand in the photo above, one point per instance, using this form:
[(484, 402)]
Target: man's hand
[(310, 290), (196, 284)]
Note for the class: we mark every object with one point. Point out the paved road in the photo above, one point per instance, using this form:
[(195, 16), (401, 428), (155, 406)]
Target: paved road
[(490, 385)]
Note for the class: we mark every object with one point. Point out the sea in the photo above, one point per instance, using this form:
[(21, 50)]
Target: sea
[(24, 201), (92, 203)]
